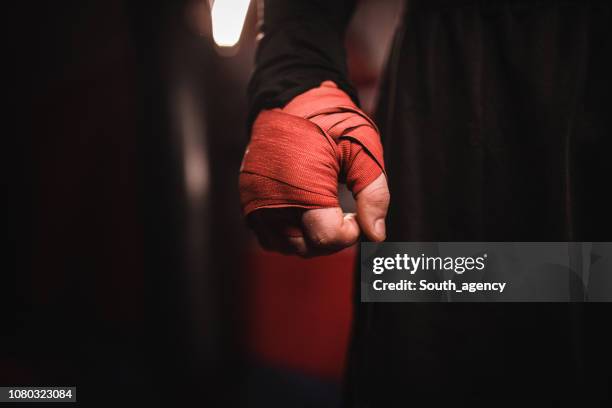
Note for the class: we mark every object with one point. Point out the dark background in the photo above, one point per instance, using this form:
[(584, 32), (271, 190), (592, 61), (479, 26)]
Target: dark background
[(131, 274)]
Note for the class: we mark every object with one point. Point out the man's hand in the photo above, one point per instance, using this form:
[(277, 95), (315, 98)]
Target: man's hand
[(291, 169)]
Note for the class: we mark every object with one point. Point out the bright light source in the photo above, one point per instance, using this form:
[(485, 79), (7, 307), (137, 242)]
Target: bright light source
[(227, 21)]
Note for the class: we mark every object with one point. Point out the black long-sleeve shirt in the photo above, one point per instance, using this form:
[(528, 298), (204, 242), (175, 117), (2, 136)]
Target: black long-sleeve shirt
[(302, 46)]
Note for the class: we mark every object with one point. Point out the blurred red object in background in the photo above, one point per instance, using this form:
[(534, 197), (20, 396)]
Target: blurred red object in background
[(299, 311)]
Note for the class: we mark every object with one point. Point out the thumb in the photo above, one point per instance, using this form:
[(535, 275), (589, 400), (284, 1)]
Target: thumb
[(372, 205)]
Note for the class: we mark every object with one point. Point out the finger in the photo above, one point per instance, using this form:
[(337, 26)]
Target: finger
[(372, 205), (287, 245), (329, 230), (279, 230), (262, 233), (298, 246), (287, 240)]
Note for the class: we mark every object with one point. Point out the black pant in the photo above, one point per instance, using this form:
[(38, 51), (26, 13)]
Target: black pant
[(494, 117)]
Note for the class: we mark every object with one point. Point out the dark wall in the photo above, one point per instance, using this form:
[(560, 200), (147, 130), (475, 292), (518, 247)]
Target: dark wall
[(103, 292)]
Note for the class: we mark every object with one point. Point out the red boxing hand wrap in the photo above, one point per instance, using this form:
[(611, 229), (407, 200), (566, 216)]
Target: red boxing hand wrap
[(298, 154)]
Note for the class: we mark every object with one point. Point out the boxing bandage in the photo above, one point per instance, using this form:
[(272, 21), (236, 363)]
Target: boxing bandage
[(298, 154)]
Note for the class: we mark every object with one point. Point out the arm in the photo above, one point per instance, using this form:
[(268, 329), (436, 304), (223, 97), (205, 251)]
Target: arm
[(302, 45), (308, 134)]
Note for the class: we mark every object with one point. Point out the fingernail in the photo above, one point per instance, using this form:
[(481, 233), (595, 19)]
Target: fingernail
[(379, 228)]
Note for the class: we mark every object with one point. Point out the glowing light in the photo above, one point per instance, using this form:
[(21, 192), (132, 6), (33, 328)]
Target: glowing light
[(227, 21)]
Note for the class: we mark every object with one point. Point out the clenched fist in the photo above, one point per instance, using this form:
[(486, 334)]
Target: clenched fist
[(291, 169)]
